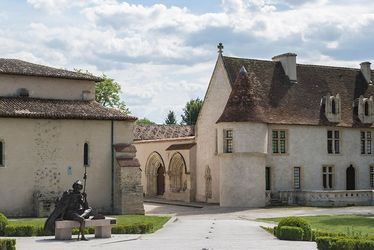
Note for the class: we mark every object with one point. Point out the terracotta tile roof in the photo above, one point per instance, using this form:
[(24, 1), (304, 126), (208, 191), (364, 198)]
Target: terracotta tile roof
[(19, 107), (157, 132), (180, 146), (18, 67), (265, 93)]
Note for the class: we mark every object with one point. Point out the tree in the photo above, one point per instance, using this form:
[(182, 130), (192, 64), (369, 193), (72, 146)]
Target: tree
[(108, 94), (171, 119), (191, 111), (144, 121)]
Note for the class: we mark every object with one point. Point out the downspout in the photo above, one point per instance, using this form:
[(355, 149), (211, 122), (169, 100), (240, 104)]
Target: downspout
[(112, 148)]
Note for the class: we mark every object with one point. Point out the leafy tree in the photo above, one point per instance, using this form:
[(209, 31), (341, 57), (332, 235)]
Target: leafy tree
[(144, 121), (108, 94), (191, 111), (171, 119)]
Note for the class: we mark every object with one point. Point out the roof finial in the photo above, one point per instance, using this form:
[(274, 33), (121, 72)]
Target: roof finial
[(243, 71), (220, 48)]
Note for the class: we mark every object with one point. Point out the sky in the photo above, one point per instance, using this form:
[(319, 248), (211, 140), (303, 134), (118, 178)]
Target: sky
[(163, 52)]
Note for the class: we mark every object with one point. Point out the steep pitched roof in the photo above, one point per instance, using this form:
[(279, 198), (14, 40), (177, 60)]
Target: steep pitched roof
[(158, 132), (265, 93), (19, 67), (18, 107)]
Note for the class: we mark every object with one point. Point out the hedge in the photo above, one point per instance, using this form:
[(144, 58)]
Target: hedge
[(322, 233), (340, 243), (3, 223), (293, 221), (290, 233), (7, 244), (18, 231)]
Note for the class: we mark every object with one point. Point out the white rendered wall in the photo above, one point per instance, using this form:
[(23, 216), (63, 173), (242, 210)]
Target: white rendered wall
[(46, 87), (308, 149), (242, 180), (39, 154), (214, 103)]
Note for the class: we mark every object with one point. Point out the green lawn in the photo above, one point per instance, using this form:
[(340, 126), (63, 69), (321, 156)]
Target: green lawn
[(126, 220), (338, 223)]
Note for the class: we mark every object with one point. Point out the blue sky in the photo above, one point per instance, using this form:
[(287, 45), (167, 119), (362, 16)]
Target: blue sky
[(163, 52)]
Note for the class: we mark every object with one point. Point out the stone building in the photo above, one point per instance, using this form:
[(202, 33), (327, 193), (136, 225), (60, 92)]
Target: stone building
[(51, 128), (274, 131)]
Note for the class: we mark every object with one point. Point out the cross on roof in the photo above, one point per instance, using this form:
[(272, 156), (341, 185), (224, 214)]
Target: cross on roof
[(220, 48)]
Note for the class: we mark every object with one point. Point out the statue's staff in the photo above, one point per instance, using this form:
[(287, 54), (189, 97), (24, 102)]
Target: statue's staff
[(85, 181)]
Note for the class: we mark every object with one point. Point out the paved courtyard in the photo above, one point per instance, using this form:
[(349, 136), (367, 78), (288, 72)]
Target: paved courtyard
[(210, 227)]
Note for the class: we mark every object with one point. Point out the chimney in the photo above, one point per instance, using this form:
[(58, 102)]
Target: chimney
[(288, 62), (366, 71)]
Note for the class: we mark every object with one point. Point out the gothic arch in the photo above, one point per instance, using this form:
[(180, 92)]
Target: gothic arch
[(177, 173), (154, 173)]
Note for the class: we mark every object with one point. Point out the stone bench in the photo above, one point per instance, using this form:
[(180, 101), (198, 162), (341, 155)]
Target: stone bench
[(103, 227)]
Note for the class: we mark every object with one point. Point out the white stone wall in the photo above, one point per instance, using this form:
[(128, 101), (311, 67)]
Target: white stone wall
[(214, 102), (242, 172), (47, 155), (308, 149), (46, 87)]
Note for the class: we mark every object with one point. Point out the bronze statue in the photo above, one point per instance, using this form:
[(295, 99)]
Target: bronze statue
[(73, 205)]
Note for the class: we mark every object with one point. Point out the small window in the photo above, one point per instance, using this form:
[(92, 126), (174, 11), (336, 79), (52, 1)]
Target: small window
[(327, 177), (333, 142), (85, 154), (297, 178), (371, 174), (216, 138), (1, 154), (267, 178), (366, 142), (366, 108), (333, 107), (279, 141), (228, 137)]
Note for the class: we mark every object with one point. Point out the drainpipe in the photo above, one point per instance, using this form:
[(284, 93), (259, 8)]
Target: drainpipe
[(112, 148)]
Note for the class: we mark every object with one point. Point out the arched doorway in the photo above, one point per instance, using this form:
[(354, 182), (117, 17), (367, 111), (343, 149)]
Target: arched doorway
[(155, 175), (160, 180), (177, 169), (351, 178)]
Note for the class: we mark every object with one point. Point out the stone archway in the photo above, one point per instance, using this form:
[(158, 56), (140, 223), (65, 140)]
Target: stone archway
[(351, 178), (155, 175), (177, 170)]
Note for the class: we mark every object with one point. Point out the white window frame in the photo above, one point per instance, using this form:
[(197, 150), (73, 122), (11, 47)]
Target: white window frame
[(297, 178), (334, 139), (366, 142), (278, 141), (228, 139), (330, 170), (371, 176)]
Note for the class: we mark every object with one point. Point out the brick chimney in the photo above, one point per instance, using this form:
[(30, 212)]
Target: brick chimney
[(288, 62), (366, 71)]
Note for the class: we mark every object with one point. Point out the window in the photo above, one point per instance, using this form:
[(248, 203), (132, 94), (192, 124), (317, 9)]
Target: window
[(228, 141), (333, 107), (85, 154), (267, 178), (366, 142), (279, 141), (297, 178), (327, 177), (216, 138), (366, 108), (371, 173), (1, 154), (333, 142)]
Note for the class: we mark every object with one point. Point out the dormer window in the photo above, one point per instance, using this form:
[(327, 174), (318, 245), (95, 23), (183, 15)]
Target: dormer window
[(365, 110), (332, 108)]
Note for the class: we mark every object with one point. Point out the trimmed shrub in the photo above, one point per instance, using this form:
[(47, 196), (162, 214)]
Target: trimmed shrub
[(293, 221), (321, 233), (132, 229), (290, 233), (7, 244), (3, 223), (325, 243), (365, 245), (18, 231), (345, 244), (275, 230)]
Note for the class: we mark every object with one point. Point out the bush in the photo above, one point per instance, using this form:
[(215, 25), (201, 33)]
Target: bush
[(7, 244), (19, 231), (321, 233), (132, 229), (293, 221), (341, 243), (3, 223), (290, 233)]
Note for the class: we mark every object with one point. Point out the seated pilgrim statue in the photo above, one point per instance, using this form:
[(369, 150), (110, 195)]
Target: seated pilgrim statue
[(72, 205)]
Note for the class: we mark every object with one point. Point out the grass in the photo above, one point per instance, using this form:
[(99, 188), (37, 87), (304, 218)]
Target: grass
[(126, 220), (347, 224)]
